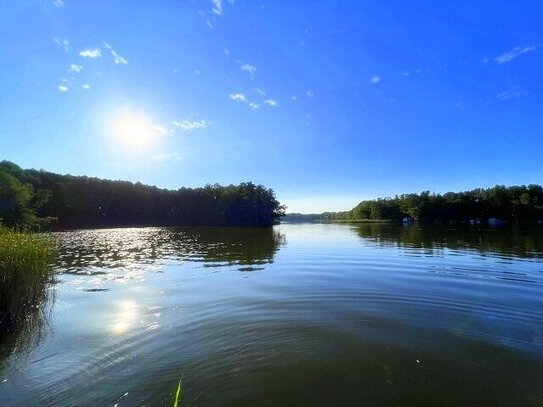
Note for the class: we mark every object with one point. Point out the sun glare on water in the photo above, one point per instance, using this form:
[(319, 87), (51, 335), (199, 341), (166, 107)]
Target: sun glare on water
[(135, 132)]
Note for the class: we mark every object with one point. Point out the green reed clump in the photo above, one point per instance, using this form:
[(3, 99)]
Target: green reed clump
[(25, 270)]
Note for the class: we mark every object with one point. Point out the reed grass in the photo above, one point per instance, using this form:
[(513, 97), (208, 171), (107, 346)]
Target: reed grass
[(178, 394), (25, 270)]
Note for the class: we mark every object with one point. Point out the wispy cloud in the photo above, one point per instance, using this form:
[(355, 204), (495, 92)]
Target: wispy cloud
[(190, 125), (238, 97), (116, 57), (86, 86), (259, 91), (515, 93), (375, 79), (271, 102), (309, 93), (91, 53), (58, 3), (248, 68), (217, 7), (227, 51), (166, 156), (63, 42), (76, 68), (253, 106), (514, 53), (63, 88), (159, 130), (119, 59)]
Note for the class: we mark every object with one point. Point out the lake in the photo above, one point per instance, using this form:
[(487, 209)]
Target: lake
[(298, 314)]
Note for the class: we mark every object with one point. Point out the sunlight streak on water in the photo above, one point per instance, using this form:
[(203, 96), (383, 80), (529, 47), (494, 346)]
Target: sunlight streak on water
[(124, 316)]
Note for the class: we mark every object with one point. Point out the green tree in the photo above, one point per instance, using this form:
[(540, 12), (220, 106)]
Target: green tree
[(19, 203)]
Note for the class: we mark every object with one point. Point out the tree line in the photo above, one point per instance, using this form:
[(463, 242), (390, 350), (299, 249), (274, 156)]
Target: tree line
[(514, 204), (32, 198)]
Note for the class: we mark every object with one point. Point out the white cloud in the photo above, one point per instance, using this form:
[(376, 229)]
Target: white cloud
[(116, 57), (63, 88), (238, 97), (294, 97), (119, 59), (217, 7), (271, 102), (253, 106), (259, 91), (515, 52), (227, 51), (86, 86), (515, 93), (58, 3), (309, 93), (62, 42), (375, 79), (166, 156), (190, 125), (76, 68), (91, 53), (249, 68)]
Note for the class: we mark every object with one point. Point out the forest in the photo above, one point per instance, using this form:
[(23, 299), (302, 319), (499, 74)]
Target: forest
[(514, 205), (38, 199)]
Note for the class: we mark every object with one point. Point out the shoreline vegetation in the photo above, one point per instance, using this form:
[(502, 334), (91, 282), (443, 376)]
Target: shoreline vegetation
[(499, 205), (25, 271), (39, 199)]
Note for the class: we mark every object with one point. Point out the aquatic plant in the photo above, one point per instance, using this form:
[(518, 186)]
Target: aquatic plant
[(178, 394), (25, 270)]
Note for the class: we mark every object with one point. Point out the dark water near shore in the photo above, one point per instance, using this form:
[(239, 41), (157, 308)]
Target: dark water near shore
[(294, 315)]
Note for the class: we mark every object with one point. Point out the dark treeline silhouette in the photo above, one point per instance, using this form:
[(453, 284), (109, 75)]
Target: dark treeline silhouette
[(36, 198), (514, 204)]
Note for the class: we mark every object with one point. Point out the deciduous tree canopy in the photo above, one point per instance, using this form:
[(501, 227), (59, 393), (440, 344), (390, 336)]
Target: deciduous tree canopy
[(516, 204), (92, 202)]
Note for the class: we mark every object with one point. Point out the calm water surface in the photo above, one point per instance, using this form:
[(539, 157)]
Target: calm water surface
[(294, 315)]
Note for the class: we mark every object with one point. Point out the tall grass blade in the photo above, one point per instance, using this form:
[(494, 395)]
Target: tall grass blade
[(178, 394)]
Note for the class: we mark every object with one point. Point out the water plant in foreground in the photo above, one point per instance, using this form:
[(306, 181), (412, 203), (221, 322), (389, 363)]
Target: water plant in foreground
[(178, 394), (25, 270)]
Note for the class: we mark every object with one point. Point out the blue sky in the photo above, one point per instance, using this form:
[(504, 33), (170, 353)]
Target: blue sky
[(326, 102)]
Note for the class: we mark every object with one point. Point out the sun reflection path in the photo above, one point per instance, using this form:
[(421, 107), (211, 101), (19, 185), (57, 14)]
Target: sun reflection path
[(125, 316), (128, 314)]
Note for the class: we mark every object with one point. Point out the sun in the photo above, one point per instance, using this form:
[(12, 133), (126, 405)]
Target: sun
[(135, 131)]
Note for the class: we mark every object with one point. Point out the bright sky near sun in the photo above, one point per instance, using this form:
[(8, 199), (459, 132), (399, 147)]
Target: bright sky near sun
[(326, 102)]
